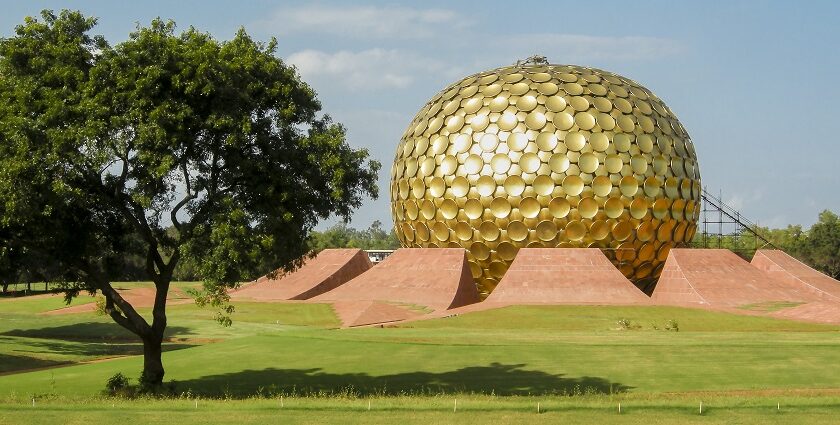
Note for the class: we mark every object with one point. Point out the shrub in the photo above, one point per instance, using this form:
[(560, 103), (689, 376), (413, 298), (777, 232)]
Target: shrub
[(672, 325), (117, 384)]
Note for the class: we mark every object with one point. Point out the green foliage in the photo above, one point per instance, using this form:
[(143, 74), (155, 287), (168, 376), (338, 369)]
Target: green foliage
[(343, 236), (672, 325), (117, 384), (104, 149), (819, 246)]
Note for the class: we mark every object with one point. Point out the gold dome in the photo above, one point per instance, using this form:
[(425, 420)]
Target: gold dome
[(537, 155)]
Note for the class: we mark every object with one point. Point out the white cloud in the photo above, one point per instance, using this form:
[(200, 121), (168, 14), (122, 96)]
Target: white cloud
[(361, 21), (368, 70), (576, 48)]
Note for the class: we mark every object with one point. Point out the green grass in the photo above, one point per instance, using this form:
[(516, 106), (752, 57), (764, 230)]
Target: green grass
[(813, 409), (500, 362)]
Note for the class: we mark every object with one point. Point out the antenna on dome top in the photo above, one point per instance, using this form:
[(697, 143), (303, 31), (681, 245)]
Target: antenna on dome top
[(533, 60)]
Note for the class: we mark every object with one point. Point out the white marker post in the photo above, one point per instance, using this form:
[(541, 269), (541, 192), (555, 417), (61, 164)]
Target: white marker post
[(281, 401), (701, 407), (454, 409), (368, 405), (538, 408), (619, 408)]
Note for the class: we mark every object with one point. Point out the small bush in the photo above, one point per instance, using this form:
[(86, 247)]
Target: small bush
[(100, 308), (672, 325), (117, 384), (627, 324)]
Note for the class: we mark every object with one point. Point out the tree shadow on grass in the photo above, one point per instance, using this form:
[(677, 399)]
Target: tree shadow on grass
[(10, 363), (90, 331), (495, 378)]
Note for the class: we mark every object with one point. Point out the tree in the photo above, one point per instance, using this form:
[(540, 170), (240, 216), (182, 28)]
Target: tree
[(343, 236), (822, 246), (219, 139)]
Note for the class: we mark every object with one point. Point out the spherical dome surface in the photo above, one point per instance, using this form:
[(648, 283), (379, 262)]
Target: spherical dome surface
[(550, 156)]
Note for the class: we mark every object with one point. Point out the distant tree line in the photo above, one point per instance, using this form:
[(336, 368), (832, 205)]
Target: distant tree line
[(818, 246), (132, 266), (344, 236)]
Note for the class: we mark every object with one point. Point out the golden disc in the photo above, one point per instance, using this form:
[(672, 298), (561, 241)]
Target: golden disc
[(529, 207), (638, 208), (480, 251), (427, 209), (575, 141), (588, 162), (507, 251), (485, 185), (421, 231), (463, 231), (547, 89), (563, 121), (543, 185), (628, 186), (622, 230), (556, 104), (575, 230), (661, 208), (613, 164), (500, 207), (440, 231), (599, 141), (529, 162), (489, 231), (507, 121), (526, 103), (437, 187), (517, 141), (473, 164), (499, 103), (488, 142), (534, 120), (652, 186), (473, 209), (559, 207), (514, 185), (517, 231), (584, 120), (646, 231), (573, 185), (460, 186), (500, 163), (613, 207), (546, 230), (559, 163), (587, 207), (599, 230), (448, 209), (546, 141), (601, 186)]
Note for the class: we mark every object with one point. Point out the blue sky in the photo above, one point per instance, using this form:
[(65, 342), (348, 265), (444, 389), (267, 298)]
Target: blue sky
[(754, 83)]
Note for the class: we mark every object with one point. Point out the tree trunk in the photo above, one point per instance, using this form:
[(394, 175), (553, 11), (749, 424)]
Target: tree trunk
[(153, 372)]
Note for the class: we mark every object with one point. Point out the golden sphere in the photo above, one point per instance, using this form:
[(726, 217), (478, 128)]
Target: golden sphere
[(537, 155)]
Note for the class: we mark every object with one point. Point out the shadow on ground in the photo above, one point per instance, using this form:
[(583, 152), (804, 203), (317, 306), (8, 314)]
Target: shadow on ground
[(90, 331), (495, 378), (10, 363)]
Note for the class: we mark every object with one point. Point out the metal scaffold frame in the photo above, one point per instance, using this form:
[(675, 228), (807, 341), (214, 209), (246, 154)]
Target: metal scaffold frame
[(719, 220)]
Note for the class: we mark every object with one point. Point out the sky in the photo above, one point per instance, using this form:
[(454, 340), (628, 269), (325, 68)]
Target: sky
[(755, 83)]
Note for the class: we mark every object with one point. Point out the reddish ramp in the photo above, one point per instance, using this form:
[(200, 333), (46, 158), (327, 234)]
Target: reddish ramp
[(718, 278), (365, 313), (437, 278), (782, 266), (326, 271), (564, 276)]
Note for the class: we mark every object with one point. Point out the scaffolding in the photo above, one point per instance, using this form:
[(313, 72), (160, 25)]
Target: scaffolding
[(722, 226)]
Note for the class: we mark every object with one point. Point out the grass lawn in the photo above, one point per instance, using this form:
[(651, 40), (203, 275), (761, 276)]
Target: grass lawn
[(576, 360)]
